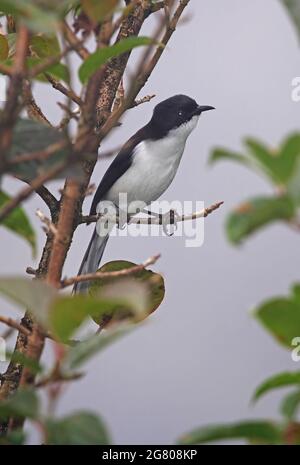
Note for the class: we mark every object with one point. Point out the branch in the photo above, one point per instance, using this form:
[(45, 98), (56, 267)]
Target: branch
[(33, 187), (108, 274), (157, 220), (142, 100), (49, 199), (49, 226), (64, 90), (11, 109), (34, 112), (75, 42), (15, 325)]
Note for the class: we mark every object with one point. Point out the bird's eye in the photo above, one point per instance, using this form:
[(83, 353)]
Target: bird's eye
[(180, 113)]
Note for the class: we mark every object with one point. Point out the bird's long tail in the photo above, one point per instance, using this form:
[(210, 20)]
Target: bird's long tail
[(91, 259)]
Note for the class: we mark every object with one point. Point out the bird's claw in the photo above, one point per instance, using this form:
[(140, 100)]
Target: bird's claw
[(169, 222)]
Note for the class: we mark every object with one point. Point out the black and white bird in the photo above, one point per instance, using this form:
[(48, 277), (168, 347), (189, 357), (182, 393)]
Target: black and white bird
[(144, 168)]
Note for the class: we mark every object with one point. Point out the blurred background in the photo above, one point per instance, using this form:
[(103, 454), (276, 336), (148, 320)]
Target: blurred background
[(198, 359)]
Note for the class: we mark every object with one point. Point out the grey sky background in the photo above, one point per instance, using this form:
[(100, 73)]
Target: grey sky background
[(199, 358)]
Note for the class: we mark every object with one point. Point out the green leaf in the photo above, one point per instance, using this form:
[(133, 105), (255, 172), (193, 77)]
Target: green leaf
[(266, 160), (153, 281), (258, 431), (23, 404), (45, 45), (277, 381), (29, 294), (68, 313), (281, 317), (18, 222), (37, 17), (98, 10), (31, 136), (97, 59), (13, 438), (290, 405), (293, 8), (82, 428), (277, 165), (219, 154), (3, 47), (256, 213), (83, 351)]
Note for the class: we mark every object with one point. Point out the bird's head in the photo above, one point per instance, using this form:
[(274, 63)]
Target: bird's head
[(179, 112)]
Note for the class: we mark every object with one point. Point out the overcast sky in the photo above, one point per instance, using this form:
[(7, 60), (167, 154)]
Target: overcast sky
[(199, 358)]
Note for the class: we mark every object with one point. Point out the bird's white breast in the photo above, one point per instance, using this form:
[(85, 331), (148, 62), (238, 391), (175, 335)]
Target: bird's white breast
[(154, 165)]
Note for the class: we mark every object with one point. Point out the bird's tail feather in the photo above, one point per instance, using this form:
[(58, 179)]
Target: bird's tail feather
[(91, 259)]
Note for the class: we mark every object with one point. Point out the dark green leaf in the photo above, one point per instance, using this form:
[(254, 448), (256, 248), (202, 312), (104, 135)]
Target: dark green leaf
[(256, 213), (290, 405), (226, 155), (97, 10), (277, 381), (293, 8), (83, 351), (3, 47), (39, 17), (13, 438), (153, 281), (45, 45), (266, 159), (82, 428), (29, 294), (281, 317), (259, 431), (18, 222), (23, 404), (97, 59), (31, 136), (68, 313)]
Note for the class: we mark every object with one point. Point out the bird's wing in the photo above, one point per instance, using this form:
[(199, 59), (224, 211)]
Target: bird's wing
[(118, 167)]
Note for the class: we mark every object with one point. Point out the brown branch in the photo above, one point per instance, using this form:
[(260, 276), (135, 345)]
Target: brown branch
[(108, 274), (15, 325), (11, 109), (49, 226), (49, 199), (142, 100), (144, 71), (73, 40), (58, 378), (157, 220), (29, 190), (65, 230), (34, 112), (64, 90)]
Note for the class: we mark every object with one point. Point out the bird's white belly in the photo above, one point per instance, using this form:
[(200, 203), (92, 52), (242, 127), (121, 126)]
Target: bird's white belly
[(152, 171)]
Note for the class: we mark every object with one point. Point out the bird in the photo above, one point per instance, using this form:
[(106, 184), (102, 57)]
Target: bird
[(142, 170)]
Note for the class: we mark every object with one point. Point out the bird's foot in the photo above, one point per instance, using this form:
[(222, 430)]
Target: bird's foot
[(169, 222)]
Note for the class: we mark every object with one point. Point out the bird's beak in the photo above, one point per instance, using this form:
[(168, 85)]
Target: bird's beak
[(200, 109)]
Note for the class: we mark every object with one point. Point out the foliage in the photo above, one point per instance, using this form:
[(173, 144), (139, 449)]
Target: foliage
[(279, 315)]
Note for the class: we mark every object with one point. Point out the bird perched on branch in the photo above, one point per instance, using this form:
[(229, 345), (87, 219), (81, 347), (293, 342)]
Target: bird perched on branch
[(142, 171)]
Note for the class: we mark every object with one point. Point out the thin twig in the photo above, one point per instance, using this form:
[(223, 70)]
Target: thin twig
[(142, 100), (75, 42), (108, 274), (49, 226), (156, 220), (14, 324), (57, 85)]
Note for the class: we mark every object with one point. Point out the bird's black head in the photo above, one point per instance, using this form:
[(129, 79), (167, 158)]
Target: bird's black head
[(175, 112)]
